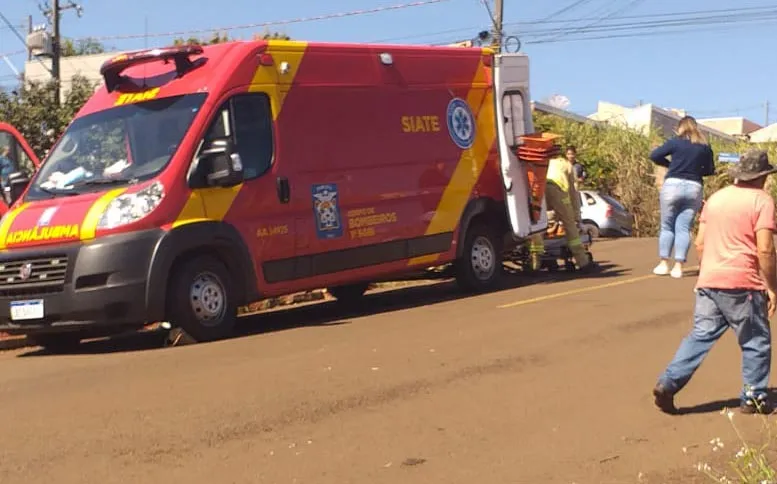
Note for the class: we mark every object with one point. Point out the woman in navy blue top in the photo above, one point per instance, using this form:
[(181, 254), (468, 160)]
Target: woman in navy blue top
[(681, 193)]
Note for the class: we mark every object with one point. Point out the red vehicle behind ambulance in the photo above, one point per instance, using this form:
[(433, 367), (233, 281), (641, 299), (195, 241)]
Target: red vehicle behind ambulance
[(199, 179)]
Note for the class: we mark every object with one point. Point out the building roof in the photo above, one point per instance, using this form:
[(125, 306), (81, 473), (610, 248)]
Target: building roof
[(548, 109), (733, 125), (640, 117), (765, 135)]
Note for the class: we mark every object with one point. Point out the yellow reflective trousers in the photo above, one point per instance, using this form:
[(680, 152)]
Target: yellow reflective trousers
[(558, 200)]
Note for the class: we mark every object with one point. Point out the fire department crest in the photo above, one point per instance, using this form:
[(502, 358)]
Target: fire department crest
[(461, 123), (326, 210)]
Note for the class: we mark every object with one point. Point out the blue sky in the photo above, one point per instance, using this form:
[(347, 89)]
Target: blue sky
[(718, 70)]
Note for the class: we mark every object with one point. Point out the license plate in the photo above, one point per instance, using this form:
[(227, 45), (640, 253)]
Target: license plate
[(23, 310)]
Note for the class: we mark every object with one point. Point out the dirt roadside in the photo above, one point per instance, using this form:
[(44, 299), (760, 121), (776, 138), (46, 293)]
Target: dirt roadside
[(543, 382)]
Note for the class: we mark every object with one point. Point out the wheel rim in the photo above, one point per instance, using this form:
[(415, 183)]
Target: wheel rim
[(483, 258), (207, 297)]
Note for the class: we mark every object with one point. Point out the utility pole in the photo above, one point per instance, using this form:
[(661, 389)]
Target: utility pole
[(29, 31), (56, 52), (499, 8), (54, 15), (766, 112)]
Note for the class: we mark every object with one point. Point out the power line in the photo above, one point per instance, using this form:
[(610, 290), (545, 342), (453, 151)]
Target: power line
[(657, 27), (655, 15), (628, 6), (690, 18), (351, 13), (699, 20), (21, 39), (732, 26), (564, 10)]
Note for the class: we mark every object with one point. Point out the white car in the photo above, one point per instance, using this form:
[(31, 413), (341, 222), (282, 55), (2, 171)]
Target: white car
[(603, 216)]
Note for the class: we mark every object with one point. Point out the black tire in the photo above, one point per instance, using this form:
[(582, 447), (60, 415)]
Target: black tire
[(592, 229), (480, 266), (349, 294), (201, 299), (57, 343)]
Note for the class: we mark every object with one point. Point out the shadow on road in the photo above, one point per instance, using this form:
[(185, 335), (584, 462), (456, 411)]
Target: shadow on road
[(718, 405), (332, 313)]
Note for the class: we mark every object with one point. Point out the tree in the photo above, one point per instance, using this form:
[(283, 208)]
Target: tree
[(88, 46), (218, 38), (32, 111)]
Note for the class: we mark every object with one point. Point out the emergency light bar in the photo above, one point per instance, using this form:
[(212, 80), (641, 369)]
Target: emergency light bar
[(112, 68)]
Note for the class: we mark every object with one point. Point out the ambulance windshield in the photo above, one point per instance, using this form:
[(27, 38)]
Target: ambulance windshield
[(117, 146)]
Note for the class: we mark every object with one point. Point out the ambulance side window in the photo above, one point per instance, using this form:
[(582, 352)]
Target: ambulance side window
[(512, 107), (252, 118), (247, 119)]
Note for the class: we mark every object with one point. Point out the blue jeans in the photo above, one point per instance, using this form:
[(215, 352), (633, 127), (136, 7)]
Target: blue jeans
[(744, 311), (680, 201)]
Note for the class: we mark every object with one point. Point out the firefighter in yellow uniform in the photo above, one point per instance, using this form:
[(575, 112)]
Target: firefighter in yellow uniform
[(562, 197)]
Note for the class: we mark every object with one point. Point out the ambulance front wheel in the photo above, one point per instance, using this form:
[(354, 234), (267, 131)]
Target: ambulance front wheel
[(480, 266), (201, 299)]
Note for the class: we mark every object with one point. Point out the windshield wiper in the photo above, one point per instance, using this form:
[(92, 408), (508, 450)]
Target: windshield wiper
[(105, 181), (57, 191)]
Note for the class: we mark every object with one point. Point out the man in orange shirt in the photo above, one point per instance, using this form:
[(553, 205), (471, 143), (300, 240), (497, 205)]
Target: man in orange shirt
[(736, 285)]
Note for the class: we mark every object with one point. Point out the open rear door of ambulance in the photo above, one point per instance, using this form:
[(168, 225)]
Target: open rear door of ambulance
[(514, 119)]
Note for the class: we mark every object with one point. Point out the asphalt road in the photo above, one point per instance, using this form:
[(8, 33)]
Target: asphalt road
[(546, 381)]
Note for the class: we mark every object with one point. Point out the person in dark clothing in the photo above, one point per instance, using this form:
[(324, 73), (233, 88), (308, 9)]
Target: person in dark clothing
[(682, 192), (578, 168), (6, 165)]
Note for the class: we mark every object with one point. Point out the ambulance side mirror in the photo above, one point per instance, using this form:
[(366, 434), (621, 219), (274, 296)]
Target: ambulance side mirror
[(218, 165), (17, 184)]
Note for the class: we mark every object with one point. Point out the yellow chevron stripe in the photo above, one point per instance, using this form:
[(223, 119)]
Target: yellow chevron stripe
[(92, 218), (8, 220), (480, 99), (214, 203), (282, 51)]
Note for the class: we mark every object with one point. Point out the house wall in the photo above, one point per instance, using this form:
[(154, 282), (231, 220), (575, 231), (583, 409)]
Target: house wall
[(85, 65), (734, 126)]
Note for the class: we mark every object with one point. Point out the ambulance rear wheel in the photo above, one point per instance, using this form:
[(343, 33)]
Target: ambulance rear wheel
[(202, 299), (350, 293), (480, 266)]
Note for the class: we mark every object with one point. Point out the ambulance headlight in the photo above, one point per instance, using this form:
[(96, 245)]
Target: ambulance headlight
[(132, 207)]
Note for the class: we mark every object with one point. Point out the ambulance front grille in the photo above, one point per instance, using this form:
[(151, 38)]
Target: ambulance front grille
[(33, 276)]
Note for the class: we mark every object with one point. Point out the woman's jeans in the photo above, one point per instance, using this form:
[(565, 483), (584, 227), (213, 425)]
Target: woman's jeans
[(680, 201)]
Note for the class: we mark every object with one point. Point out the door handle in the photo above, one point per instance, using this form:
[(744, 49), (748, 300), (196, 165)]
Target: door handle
[(283, 188)]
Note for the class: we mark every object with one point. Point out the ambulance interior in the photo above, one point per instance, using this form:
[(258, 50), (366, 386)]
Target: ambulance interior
[(116, 146)]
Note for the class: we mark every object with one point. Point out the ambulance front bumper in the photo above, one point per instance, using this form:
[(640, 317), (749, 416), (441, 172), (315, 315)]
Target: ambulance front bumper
[(97, 288)]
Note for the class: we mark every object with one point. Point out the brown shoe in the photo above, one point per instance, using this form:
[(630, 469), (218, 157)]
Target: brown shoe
[(664, 399), (751, 408)]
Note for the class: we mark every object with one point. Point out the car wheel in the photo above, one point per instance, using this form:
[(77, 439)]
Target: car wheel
[(480, 266), (202, 299), (592, 229)]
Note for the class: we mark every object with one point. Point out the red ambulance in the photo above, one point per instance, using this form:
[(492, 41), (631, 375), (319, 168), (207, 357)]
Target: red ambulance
[(199, 179)]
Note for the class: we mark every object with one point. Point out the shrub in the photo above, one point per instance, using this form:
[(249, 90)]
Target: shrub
[(750, 464), (616, 160)]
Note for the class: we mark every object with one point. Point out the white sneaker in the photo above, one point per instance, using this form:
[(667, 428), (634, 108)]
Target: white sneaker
[(677, 271), (661, 269)]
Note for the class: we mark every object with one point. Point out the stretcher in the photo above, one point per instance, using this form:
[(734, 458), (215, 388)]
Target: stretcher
[(557, 251)]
